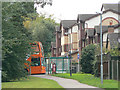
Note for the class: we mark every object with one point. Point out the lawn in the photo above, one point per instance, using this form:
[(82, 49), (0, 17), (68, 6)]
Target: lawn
[(32, 82), (90, 80)]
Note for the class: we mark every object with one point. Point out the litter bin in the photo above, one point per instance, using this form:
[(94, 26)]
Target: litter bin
[(73, 69)]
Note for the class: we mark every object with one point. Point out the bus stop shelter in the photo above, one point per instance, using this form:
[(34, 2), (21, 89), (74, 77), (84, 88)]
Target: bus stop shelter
[(62, 64)]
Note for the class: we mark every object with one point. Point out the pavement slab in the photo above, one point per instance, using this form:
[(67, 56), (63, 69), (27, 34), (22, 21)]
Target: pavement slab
[(67, 83)]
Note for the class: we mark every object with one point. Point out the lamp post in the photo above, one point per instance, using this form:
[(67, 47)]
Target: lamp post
[(101, 46), (0, 69), (0, 78), (78, 62)]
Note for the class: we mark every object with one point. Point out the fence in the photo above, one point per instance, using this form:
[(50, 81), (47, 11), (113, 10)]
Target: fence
[(111, 66)]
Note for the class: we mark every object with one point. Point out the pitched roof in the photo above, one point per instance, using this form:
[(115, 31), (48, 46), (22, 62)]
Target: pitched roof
[(112, 6), (83, 17), (108, 7), (67, 23), (113, 38), (104, 29)]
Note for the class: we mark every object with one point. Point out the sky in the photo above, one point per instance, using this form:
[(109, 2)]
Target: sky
[(69, 9)]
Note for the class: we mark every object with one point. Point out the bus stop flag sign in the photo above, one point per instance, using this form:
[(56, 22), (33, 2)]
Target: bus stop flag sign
[(78, 55)]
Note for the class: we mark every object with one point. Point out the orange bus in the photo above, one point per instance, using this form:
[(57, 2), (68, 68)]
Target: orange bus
[(36, 60)]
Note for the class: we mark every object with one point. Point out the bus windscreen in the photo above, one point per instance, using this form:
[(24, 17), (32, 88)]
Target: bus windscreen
[(35, 61)]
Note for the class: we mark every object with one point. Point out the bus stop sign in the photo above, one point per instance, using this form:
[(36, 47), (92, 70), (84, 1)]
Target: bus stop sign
[(78, 55)]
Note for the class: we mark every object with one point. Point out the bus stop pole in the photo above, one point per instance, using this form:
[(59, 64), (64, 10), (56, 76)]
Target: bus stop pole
[(56, 65), (62, 65), (48, 65), (70, 63), (78, 63)]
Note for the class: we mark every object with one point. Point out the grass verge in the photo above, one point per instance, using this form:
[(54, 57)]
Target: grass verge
[(90, 80), (32, 82)]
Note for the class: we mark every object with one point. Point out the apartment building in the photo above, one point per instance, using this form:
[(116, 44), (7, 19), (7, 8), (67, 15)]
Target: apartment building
[(73, 41), (64, 26), (90, 25), (73, 35), (58, 41), (113, 38), (53, 49)]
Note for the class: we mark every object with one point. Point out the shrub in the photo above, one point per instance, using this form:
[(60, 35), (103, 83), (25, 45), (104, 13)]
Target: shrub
[(87, 58)]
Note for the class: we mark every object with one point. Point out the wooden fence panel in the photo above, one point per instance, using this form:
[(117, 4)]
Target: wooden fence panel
[(111, 67), (105, 69), (119, 70), (114, 72)]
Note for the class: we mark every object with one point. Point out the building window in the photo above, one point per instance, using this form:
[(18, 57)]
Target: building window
[(62, 48), (65, 32), (59, 36), (66, 48), (54, 51), (59, 50), (87, 41), (79, 44), (82, 43), (94, 40), (98, 38)]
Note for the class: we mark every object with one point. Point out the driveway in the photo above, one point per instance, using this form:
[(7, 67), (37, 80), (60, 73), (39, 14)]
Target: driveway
[(66, 83)]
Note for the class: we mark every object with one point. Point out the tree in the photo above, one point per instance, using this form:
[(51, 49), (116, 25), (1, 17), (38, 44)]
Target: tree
[(15, 40), (42, 30), (87, 58)]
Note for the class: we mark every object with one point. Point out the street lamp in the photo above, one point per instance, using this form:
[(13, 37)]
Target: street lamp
[(101, 46), (0, 61), (0, 78)]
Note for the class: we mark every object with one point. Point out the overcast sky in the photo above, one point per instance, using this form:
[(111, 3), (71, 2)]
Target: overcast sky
[(69, 9)]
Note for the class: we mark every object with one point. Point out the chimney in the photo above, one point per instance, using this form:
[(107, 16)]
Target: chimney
[(110, 29)]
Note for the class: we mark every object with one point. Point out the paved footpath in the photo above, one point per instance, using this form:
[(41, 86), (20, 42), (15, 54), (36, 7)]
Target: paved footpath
[(66, 83)]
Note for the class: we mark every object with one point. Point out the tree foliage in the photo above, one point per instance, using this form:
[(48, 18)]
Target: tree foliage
[(15, 39), (114, 52), (21, 25), (87, 58), (42, 30)]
